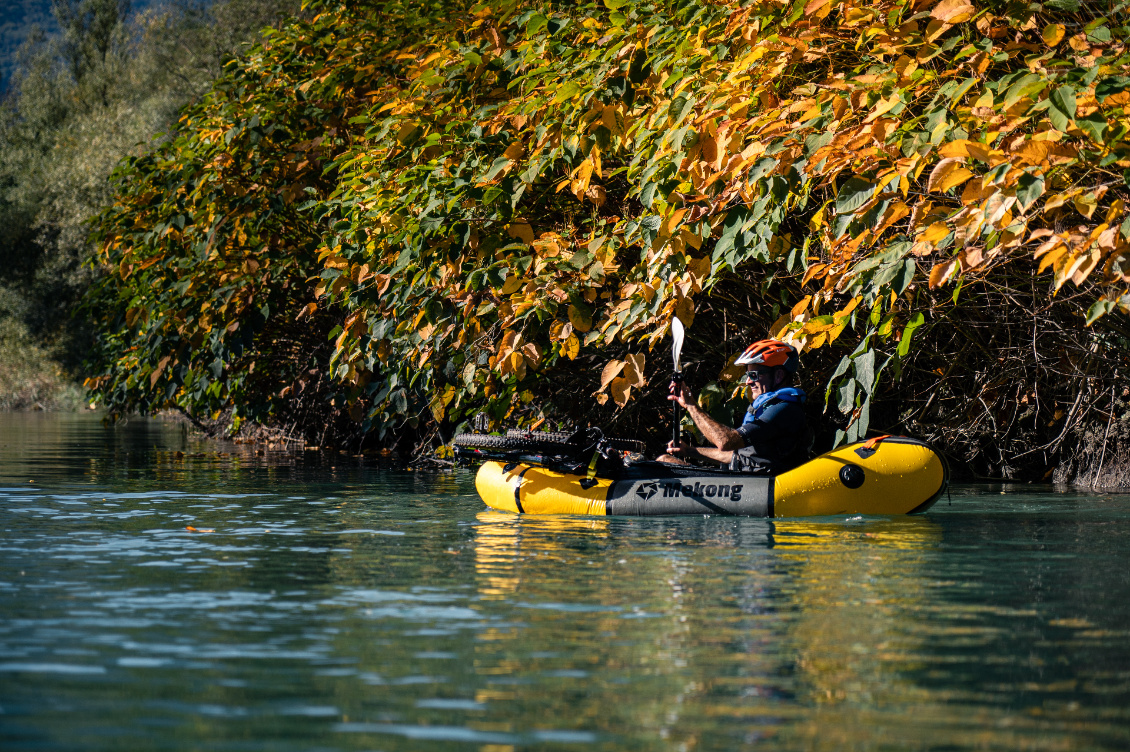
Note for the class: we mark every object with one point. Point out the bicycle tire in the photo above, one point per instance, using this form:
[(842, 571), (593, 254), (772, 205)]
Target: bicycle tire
[(511, 444), (624, 445)]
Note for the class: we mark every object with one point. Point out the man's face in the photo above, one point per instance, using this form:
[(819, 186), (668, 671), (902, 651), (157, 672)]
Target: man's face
[(759, 379)]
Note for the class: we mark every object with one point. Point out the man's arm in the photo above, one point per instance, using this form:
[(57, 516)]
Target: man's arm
[(686, 451), (725, 438)]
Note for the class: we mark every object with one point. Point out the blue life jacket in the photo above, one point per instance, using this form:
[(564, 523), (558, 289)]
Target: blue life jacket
[(786, 394)]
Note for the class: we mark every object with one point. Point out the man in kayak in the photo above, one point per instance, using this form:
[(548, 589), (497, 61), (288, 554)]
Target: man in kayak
[(774, 435)]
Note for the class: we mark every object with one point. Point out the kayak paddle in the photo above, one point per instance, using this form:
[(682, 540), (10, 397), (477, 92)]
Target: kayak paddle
[(676, 355)]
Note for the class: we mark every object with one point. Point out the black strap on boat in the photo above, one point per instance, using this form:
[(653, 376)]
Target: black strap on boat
[(518, 490)]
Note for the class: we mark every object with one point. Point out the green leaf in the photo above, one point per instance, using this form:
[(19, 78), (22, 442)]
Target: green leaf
[(1063, 99), (1100, 35), (1093, 125), (399, 401), (864, 420), (1100, 308), (761, 168), (908, 331), (1028, 189), (1060, 121), (847, 397), (853, 194), (536, 23), (678, 110), (903, 281), (1111, 86), (615, 4), (865, 370)]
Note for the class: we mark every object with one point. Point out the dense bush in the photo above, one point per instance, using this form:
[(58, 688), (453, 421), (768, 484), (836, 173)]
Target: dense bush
[(499, 207)]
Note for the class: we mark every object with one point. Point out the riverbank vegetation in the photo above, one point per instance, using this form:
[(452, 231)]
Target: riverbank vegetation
[(390, 218), (80, 101)]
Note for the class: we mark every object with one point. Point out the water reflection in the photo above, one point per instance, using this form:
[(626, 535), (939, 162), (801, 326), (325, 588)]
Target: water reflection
[(338, 606)]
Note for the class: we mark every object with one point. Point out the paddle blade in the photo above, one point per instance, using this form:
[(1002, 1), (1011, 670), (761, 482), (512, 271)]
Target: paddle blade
[(677, 341)]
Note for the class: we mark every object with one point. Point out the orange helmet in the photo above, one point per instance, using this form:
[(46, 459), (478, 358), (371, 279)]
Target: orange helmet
[(772, 353)]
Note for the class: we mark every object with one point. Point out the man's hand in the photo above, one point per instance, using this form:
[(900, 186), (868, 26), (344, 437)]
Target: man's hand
[(678, 392), (680, 449)]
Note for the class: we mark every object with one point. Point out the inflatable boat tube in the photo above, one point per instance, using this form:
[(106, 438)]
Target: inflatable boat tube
[(894, 476)]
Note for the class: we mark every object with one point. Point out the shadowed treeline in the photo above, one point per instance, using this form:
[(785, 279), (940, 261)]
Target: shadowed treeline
[(108, 81)]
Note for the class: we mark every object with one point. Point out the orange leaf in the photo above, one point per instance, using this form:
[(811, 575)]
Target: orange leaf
[(813, 272), (941, 273), (800, 307), (952, 11)]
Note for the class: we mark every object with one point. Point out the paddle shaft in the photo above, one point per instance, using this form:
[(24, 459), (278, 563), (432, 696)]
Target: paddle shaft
[(676, 432)]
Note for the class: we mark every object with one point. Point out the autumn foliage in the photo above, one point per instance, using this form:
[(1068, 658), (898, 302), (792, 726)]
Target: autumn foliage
[(423, 213)]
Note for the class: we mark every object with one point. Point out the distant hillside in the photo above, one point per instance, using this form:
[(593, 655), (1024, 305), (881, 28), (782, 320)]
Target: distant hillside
[(18, 17)]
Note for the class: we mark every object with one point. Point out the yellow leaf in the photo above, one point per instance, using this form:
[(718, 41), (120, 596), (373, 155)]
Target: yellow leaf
[(611, 370), (1032, 152), (954, 149), (571, 347), (700, 267), (800, 307), (1053, 34), (935, 232), (621, 391), (1051, 257), (610, 120), (778, 327), (1086, 205), (817, 220), (581, 177), (511, 285), (580, 320), (673, 220), (514, 151), (1114, 211), (947, 174), (1059, 200), (1084, 266), (522, 231), (684, 309)]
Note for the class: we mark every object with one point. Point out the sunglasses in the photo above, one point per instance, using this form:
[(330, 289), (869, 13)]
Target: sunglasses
[(757, 375)]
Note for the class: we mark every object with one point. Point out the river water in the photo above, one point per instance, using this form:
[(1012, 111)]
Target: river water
[(158, 593)]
